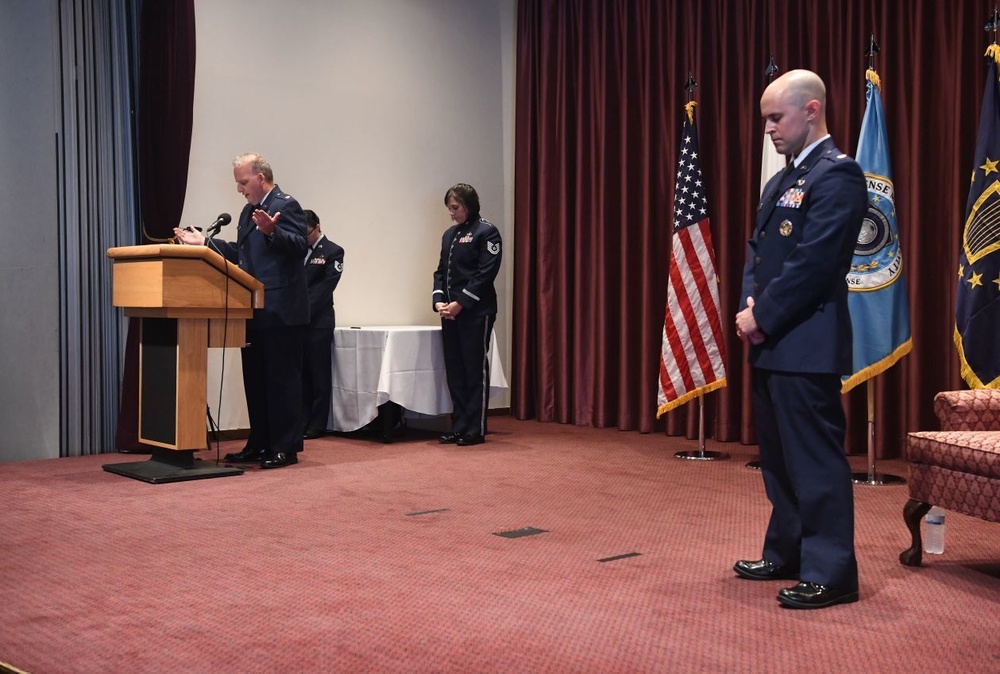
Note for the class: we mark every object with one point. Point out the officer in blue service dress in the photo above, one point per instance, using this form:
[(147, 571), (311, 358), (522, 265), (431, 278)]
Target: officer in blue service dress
[(324, 265), (794, 315), (270, 246), (466, 300)]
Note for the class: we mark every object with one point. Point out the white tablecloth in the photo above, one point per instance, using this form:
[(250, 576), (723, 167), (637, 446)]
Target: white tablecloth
[(402, 364)]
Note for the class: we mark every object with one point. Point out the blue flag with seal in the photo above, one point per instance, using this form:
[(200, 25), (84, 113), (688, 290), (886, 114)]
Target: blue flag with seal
[(880, 310), (977, 301)]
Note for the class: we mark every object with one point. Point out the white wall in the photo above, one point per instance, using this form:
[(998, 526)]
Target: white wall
[(29, 256), (368, 110)]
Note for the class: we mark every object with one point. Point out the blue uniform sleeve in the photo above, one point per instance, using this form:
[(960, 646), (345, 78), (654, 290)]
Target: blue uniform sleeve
[(290, 230)]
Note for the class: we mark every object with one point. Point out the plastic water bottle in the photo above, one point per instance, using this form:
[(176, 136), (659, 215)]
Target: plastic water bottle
[(934, 531)]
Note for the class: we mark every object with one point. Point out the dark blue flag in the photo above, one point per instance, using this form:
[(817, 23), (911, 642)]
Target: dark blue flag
[(977, 305)]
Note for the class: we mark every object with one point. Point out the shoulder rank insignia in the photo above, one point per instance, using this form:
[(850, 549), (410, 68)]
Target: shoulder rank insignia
[(785, 228), (493, 248)]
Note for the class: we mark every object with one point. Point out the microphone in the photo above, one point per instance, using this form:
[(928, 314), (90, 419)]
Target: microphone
[(220, 222)]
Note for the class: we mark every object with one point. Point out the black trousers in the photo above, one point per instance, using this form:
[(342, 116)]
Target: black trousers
[(801, 427), (317, 378), (466, 341), (272, 381)]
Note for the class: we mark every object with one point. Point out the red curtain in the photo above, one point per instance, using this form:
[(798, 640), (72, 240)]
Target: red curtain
[(598, 117), (165, 112), (164, 122)]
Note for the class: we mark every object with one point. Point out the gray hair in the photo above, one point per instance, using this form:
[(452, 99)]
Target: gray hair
[(257, 163)]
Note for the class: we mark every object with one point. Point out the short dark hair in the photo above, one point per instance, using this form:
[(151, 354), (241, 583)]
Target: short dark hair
[(312, 220), (466, 195)]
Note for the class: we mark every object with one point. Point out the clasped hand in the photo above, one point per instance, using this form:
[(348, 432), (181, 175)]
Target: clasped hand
[(448, 310), (746, 325)]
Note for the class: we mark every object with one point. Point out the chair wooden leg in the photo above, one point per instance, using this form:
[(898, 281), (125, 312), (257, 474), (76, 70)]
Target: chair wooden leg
[(913, 512)]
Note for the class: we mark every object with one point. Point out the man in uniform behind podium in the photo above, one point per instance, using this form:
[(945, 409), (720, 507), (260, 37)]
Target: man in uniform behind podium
[(270, 246), (324, 265)]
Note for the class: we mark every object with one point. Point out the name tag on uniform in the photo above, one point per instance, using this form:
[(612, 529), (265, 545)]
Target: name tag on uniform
[(792, 198)]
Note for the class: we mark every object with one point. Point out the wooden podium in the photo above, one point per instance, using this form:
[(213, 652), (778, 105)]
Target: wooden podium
[(189, 298)]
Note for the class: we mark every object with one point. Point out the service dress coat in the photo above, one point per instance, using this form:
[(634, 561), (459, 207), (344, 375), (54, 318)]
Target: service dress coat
[(272, 359), (798, 257)]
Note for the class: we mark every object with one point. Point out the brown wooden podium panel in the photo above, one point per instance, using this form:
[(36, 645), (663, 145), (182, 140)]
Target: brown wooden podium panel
[(178, 284), (223, 333), (188, 298), (183, 279), (173, 382)]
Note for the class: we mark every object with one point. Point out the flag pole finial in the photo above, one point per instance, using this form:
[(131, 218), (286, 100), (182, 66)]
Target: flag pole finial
[(690, 86), (771, 70), (993, 23), (871, 74), (870, 52)]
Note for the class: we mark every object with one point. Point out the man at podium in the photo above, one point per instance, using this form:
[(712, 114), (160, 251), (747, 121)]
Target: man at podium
[(270, 246)]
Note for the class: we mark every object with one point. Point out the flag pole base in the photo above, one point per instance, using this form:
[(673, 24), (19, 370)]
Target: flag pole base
[(701, 455), (876, 479)]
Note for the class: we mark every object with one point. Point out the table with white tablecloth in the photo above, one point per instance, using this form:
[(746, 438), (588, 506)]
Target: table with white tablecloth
[(399, 364)]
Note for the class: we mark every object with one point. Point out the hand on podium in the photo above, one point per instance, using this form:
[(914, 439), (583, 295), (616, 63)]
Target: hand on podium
[(189, 236)]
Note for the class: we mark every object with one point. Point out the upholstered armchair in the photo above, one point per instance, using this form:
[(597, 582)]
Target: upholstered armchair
[(956, 468)]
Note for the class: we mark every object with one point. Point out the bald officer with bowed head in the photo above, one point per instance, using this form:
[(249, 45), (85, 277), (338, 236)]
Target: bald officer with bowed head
[(794, 316)]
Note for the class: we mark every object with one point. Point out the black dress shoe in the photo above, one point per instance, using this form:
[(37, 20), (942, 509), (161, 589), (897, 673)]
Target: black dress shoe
[(449, 438), (246, 456), (312, 434), (811, 595), (469, 440), (280, 460), (762, 569)]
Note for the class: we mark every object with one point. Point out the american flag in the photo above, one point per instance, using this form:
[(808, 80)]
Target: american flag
[(692, 358)]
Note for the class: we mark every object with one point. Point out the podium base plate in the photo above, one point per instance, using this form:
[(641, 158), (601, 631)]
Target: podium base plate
[(171, 466)]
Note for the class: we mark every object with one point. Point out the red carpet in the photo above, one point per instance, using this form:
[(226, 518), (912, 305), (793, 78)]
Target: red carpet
[(324, 567)]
